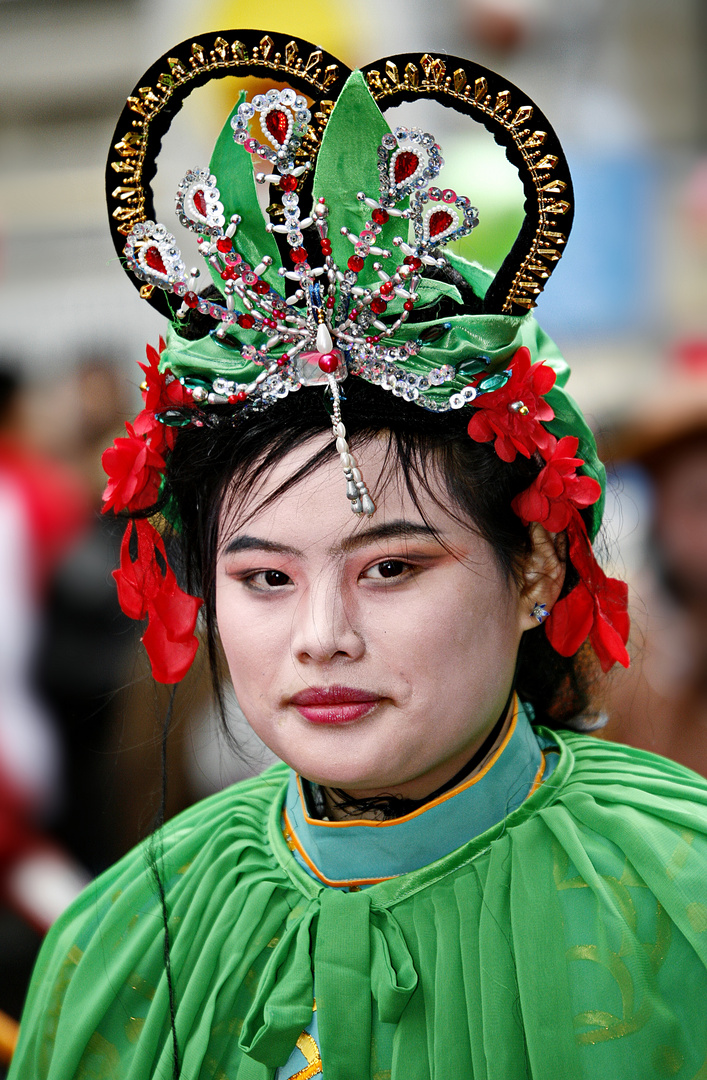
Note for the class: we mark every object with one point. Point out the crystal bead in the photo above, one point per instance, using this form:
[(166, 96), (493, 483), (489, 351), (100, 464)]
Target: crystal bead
[(405, 165), (494, 382)]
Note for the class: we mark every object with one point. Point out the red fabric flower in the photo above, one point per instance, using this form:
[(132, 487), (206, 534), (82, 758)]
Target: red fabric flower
[(557, 489), (146, 590), (596, 608), (161, 391), (135, 472), (515, 430)]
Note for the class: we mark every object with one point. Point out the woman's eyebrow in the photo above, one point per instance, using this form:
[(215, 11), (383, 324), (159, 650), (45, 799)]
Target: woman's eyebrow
[(256, 543), (392, 530)]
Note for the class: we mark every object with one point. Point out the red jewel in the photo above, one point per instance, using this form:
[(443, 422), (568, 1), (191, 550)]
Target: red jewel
[(246, 321), (412, 260), (406, 164), (154, 260), (330, 302), (355, 263), (387, 288), (281, 361), (261, 287), (224, 244), (408, 305), (380, 216), (229, 274), (191, 299), (200, 202), (372, 340), (277, 123), (378, 307), (288, 183), (439, 221), (299, 255), (232, 399), (326, 247), (328, 362), (241, 395)]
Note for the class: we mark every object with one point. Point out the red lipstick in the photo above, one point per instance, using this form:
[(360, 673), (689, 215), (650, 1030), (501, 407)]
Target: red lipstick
[(333, 704)]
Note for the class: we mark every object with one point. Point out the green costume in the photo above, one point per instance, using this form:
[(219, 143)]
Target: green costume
[(567, 940), (545, 918)]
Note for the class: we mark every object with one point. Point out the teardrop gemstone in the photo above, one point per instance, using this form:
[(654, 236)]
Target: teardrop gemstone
[(200, 202), (277, 123), (154, 260), (406, 163), (439, 222)]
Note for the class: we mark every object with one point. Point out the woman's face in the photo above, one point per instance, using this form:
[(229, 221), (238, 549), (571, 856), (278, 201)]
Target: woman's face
[(365, 653)]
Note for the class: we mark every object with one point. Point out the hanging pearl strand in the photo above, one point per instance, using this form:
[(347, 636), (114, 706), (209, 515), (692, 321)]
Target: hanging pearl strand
[(356, 490)]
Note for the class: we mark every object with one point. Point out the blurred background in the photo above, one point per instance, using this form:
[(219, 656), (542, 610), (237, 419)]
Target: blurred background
[(622, 81)]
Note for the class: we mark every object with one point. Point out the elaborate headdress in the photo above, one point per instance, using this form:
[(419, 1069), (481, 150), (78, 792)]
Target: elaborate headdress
[(357, 222)]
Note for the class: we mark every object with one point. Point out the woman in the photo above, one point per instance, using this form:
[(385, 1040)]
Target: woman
[(427, 885)]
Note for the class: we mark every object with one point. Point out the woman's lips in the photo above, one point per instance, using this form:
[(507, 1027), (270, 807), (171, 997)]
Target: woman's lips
[(334, 704)]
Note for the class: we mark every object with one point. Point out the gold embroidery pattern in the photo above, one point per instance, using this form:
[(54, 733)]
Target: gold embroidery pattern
[(544, 250), (605, 1025), (310, 1050), (100, 1060), (66, 972)]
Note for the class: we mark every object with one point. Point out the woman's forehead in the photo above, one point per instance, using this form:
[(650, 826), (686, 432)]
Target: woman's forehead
[(317, 500)]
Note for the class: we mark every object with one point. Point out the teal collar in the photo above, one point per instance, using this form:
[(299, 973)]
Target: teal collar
[(352, 854)]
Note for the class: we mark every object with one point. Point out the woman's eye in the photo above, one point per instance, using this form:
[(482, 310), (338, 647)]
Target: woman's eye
[(388, 568), (268, 579)]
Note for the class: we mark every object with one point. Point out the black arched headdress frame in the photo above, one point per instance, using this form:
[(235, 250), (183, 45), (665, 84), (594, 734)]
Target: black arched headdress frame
[(515, 122)]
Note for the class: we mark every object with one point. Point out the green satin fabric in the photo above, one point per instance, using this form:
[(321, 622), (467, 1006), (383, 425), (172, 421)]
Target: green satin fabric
[(568, 941)]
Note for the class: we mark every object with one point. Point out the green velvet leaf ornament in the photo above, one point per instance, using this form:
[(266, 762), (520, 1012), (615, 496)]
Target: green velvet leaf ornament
[(348, 163), (233, 168)]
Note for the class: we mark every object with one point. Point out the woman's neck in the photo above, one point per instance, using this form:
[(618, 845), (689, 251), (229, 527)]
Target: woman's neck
[(337, 805)]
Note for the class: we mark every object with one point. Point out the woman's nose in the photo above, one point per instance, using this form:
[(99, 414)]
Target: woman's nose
[(324, 625)]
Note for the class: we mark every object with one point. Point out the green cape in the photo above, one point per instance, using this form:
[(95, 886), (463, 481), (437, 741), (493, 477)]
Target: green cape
[(568, 941)]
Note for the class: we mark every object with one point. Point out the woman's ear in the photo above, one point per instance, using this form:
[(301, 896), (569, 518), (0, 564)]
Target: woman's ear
[(542, 578)]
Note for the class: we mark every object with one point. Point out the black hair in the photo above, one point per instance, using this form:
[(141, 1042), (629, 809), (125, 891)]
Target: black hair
[(434, 454)]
